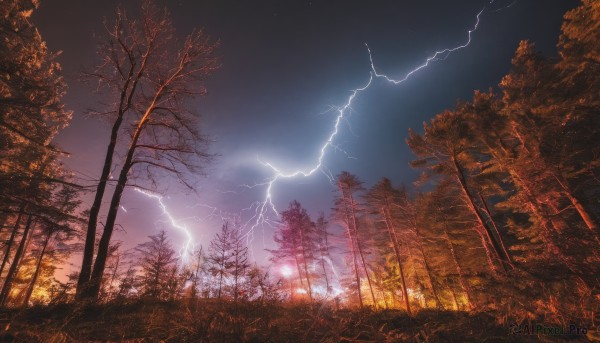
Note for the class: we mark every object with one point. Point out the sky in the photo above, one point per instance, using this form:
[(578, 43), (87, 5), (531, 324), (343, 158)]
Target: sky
[(285, 66)]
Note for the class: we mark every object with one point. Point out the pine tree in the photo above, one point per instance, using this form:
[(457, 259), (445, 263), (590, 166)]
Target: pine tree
[(347, 211), (157, 260), (240, 263), (295, 240), (220, 255)]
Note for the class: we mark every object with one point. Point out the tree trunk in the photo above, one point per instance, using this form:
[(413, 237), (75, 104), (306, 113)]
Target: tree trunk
[(125, 100), (457, 306), (37, 271), (581, 210), (100, 263), (463, 284), (305, 263), (90, 238), (395, 244), (351, 239), (11, 239), (325, 274), (428, 270), (115, 271), (221, 273), (14, 267), (548, 226), (506, 256), (360, 250), (485, 231), (298, 268)]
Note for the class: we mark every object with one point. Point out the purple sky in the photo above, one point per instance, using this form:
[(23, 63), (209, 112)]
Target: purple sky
[(284, 65)]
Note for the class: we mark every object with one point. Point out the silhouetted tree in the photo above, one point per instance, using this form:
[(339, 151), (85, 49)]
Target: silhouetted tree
[(295, 241), (157, 260), (153, 83), (220, 255), (346, 212)]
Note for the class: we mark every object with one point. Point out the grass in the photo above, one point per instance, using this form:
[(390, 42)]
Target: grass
[(223, 321)]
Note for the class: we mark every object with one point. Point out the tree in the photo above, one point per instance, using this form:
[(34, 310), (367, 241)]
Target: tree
[(240, 263), (153, 83), (31, 87), (551, 157), (157, 259), (323, 247), (59, 227), (197, 270), (220, 256), (445, 153), (295, 240), (381, 198), (31, 110), (31, 114), (346, 211)]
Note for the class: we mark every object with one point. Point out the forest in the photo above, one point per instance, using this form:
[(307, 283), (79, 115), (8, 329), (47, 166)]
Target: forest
[(497, 239)]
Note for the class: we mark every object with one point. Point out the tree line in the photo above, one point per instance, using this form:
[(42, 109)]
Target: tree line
[(504, 215)]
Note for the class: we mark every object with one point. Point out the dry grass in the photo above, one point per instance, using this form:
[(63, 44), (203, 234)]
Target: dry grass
[(222, 321)]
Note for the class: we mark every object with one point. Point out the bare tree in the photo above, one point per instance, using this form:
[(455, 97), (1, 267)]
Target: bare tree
[(153, 82)]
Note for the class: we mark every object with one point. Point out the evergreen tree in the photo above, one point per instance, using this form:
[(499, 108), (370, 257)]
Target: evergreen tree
[(157, 262)]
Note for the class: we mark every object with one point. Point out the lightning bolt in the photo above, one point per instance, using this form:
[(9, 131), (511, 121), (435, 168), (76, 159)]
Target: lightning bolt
[(186, 250), (266, 206)]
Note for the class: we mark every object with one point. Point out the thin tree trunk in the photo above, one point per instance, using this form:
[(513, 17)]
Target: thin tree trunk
[(485, 231), (326, 254), (428, 270), (235, 285), (221, 272), (12, 237), (299, 269), (36, 273), (125, 100), (305, 264), (196, 277), (506, 255), (454, 297), (463, 284), (355, 265), (581, 210), (360, 250), (395, 244), (14, 267), (115, 271), (325, 274), (351, 239)]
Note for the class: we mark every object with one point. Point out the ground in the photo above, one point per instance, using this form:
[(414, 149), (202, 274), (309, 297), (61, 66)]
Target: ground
[(222, 321)]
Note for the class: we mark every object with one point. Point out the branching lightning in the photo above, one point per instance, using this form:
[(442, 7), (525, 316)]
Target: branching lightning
[(266, 206), (262, 211), (186, 250)]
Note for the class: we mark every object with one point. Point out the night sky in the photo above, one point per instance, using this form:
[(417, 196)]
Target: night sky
[(285, 63)]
